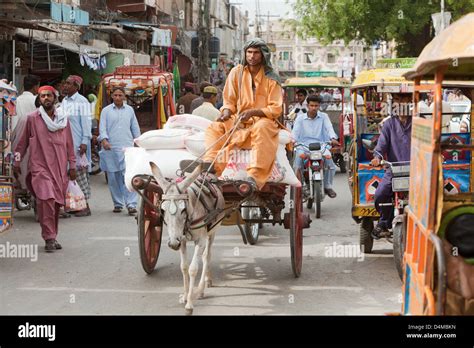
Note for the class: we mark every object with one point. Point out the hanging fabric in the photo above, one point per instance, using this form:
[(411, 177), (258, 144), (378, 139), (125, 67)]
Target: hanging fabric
[(170, 59), (177, 81), (100, 101), (161, 107)]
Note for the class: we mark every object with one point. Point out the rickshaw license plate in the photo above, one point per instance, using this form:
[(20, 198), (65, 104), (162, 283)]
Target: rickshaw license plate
[(401, 184), (364, 211)]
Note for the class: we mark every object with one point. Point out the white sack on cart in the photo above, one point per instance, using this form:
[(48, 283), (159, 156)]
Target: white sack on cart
[(282, 171), (188, 121), (195, 143), (160, 139), (137, 161)]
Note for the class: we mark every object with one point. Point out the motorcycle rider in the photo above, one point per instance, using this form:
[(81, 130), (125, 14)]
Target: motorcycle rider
[(312, 127), (394, 143)]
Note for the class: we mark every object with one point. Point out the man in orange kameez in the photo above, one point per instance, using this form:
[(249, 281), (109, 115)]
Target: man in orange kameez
[(252, 93)]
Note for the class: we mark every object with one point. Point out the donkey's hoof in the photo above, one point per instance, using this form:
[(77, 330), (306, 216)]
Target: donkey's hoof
[(200, 295), (188, 311), (209, 283)]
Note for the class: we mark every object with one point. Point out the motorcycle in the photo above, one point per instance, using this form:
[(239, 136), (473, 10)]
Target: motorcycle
[(313, 174)]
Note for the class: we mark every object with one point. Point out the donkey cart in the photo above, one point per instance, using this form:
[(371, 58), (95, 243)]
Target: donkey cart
[(254, 208)]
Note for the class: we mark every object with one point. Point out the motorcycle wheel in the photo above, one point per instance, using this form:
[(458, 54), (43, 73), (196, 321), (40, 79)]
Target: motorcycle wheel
[(342, 164), (317, 194)]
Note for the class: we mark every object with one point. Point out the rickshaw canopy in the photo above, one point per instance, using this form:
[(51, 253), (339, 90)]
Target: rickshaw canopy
[(382, 78), (453, 48), (321, 82)]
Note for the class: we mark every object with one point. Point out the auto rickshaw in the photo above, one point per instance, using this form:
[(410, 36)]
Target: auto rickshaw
[(339, 113), (375, 87), (8, 93), (439, 248)]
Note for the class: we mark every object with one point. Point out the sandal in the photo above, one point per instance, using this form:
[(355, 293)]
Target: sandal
[(117, 210), (132, 211)]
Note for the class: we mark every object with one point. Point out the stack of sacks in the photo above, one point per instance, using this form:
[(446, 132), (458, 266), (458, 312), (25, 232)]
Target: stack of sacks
[(166, 147)]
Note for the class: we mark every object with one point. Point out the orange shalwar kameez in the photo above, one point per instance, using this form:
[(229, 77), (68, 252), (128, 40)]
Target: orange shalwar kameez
[(260, 134)]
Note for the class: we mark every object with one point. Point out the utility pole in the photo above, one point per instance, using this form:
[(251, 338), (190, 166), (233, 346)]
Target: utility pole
[(203, 35), (268, 15)]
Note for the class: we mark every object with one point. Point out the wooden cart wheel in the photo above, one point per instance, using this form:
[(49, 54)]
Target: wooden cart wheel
[(150, 228), (296, 227)]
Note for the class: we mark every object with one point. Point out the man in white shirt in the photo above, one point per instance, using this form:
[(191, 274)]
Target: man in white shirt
[(301, 106), (25, 104), (208, 109)]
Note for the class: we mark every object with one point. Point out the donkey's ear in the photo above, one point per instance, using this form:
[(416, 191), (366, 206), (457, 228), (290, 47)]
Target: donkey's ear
[(159, 177), (183, 185)]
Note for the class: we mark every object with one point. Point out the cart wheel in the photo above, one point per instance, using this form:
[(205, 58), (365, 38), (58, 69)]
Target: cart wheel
[(296, 227), (317, 198), (398, 247), (365, 239), (251, 228), (150, 227)]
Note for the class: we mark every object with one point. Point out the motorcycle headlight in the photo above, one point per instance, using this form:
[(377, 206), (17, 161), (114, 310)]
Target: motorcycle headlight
[(316, 155)]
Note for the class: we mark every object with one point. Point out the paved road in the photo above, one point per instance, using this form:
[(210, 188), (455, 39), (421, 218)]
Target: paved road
[(99, 272)]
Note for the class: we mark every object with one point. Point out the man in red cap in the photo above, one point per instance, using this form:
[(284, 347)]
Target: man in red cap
[(78, 111), (48, 136), (183, 105)]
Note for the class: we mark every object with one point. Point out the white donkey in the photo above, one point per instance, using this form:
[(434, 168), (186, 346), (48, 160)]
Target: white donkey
[(191, 213)]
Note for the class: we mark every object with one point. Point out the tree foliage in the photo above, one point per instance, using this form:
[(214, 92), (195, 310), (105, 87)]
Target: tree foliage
[(408, 22)]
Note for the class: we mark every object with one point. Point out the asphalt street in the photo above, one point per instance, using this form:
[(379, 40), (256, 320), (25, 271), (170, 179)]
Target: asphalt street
[(99, 271)]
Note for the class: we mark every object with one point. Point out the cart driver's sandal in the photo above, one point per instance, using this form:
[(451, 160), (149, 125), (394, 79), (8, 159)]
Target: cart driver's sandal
[(188, 166)]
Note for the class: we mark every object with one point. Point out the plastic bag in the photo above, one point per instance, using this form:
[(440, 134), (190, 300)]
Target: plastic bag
[(75, 200), (82, 162)]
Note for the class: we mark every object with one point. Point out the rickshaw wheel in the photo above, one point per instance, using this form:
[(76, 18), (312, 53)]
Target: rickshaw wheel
[(296, 227), (398, 247), (365, 239), (150, 228)]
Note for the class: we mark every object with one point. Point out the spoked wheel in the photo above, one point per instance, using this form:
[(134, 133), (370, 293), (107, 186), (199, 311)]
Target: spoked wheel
[(317, 194), (150, 228), (296, 227), (250, 211), (365, 239)]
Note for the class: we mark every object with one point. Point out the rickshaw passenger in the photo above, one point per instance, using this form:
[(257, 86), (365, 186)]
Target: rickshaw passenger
[(394, 143), (301, 106), (314, 127), (252, 92)]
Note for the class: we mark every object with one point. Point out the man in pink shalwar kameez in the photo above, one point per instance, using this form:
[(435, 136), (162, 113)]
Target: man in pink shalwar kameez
[(48, 137)]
